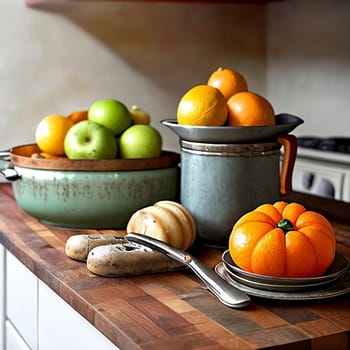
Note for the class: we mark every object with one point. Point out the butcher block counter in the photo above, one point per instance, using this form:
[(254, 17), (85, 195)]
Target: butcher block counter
[(173, 310)]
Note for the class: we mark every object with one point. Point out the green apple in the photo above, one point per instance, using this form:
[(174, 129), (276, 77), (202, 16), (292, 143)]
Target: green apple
[(89, 140), (139, 116), (110, 113), (140, 141)]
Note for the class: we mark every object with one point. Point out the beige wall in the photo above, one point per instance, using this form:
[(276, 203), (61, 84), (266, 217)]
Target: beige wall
[(62, 59), (295, 52)]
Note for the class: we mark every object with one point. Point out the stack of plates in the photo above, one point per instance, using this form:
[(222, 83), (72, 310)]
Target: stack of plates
[(335, 282)]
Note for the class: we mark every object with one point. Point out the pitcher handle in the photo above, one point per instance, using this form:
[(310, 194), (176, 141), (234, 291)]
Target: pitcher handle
[(290, 145)]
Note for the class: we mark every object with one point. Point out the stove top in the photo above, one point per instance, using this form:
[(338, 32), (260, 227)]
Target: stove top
[(331, 144), (330, 149)]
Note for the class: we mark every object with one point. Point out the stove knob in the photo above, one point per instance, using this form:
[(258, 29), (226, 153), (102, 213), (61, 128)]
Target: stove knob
[(325, 189), (307, 180)]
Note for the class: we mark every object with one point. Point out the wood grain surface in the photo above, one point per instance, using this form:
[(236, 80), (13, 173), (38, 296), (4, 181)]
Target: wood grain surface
[(169, 310)]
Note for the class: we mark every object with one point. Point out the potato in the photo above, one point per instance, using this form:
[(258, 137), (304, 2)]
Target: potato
[(128, 259), (78, 246)]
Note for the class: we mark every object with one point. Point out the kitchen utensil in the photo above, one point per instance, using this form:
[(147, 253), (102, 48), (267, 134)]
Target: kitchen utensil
[(89, 193), (285, 123), (335, 271), (221, 182), (340, 287), (228, 295)]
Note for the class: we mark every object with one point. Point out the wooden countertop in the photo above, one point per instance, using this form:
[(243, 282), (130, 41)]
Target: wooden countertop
[(173, 310)]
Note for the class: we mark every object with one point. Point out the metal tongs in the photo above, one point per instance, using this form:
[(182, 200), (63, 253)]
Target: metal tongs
[(225, 292)]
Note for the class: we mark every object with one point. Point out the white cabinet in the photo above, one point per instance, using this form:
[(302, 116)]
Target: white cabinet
[(33, 317), (22, 299), (13, 340), (61, 327), (2, 296)]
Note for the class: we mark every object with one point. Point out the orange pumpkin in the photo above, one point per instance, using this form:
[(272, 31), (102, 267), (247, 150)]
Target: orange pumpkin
[(283, 240)]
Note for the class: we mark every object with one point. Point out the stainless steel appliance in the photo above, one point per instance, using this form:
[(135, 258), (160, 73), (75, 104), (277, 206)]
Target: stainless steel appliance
[(323, 167)]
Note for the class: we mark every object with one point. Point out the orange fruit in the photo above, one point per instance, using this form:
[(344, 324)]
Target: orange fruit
[(249, 109), (50, 156), (203, 105), (50, 133), (78, 116), (283, 239), (228, 81)]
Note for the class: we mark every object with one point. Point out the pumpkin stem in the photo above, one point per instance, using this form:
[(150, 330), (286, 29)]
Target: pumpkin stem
[(285, 225)]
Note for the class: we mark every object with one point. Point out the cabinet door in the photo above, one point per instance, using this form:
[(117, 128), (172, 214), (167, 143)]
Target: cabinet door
[(61, 327), (13, 340), (2, 296), (22, 299)]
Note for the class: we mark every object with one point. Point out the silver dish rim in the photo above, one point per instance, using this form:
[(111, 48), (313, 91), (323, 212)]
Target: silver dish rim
[(341, 287), (285, 123), (337, 269)]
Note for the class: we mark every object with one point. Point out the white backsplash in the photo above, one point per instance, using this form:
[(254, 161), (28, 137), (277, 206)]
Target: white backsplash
[(308, 71)]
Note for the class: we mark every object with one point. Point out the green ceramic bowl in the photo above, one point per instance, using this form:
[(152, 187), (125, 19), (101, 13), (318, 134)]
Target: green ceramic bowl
[(98, 194)]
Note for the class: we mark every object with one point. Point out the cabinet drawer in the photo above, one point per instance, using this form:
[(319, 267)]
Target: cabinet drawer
[(22, 299)]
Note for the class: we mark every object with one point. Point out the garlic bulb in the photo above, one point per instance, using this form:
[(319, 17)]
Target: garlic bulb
[(167, 221)]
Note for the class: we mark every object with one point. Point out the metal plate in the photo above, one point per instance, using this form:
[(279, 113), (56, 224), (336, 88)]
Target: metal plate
[(341, 287), (279, 287), (285, 123), (335, 271)]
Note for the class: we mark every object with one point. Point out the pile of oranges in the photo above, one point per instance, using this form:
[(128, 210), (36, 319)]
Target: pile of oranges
[(224, 100)]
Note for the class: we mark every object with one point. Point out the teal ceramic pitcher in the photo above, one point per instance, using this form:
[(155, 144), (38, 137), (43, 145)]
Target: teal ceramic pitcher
[(221, 182)]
